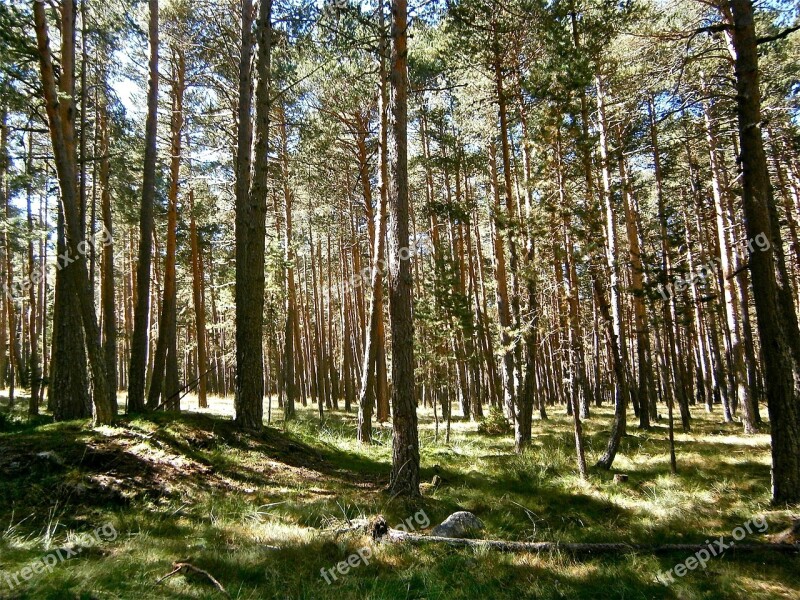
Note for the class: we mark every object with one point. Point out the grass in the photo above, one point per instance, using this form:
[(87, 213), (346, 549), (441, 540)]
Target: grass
[(257, 510)]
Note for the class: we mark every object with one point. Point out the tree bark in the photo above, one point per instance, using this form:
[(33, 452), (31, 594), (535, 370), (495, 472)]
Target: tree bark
[(646, 387), (107, 291), (737, 374), (251, 207), (62, 136), (289, 359), (34, 366), (6, 303), (777, 321), (405, 444), (164, 383), (198, 297), (137, 373)]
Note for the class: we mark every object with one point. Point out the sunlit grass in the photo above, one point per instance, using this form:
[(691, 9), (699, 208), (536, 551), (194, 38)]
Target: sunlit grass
[(258, 512)]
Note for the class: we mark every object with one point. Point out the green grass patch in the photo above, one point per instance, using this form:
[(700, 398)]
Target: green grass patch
[(258, 511)]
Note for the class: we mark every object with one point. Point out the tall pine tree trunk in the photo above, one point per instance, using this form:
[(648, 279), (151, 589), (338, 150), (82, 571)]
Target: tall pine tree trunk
[(107, 293), (164, 383), (777, 321), (34, 366), (137, 373), (251, 207), (198, 296), (737, 374), (405, 443), (291, 326)]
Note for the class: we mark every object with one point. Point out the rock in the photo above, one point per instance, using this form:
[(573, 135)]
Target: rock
[(620, 478), (461, 524), (50, 456)]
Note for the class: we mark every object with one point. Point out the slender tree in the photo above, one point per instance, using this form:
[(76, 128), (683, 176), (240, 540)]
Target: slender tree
[(137, 373), (405, 445)]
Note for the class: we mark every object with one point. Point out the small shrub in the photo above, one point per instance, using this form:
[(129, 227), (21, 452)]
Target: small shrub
[(495, 423)]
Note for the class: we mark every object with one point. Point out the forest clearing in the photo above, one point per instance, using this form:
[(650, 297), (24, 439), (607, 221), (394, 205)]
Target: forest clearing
[(392, 300)]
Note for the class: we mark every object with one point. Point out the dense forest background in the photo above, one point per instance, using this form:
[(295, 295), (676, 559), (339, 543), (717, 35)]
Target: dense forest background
[(481, 255), (481, 212)]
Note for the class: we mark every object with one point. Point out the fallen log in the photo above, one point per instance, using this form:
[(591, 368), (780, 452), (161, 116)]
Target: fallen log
[(397, 536), (353, 526)]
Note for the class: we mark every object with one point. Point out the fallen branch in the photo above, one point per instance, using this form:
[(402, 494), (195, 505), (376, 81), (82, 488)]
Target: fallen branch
[(184, 567), (397, 536)]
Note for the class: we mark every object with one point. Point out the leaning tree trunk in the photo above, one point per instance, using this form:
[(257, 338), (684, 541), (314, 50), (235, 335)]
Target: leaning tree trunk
[(62, 136)]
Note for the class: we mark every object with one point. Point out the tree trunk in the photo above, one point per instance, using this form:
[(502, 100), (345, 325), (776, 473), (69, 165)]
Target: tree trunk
[(737, 374), (198, 297), (164, 383), (251, 207), (68, 392), (617, 333), (33, 279), (107, 293), (646, 385), (289, 350), (777, 321), (137, 373), (6, 274), (5, 296), (62, 136), (405, 444)]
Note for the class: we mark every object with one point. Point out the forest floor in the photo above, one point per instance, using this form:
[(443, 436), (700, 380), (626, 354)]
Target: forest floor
[(258, 511)]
